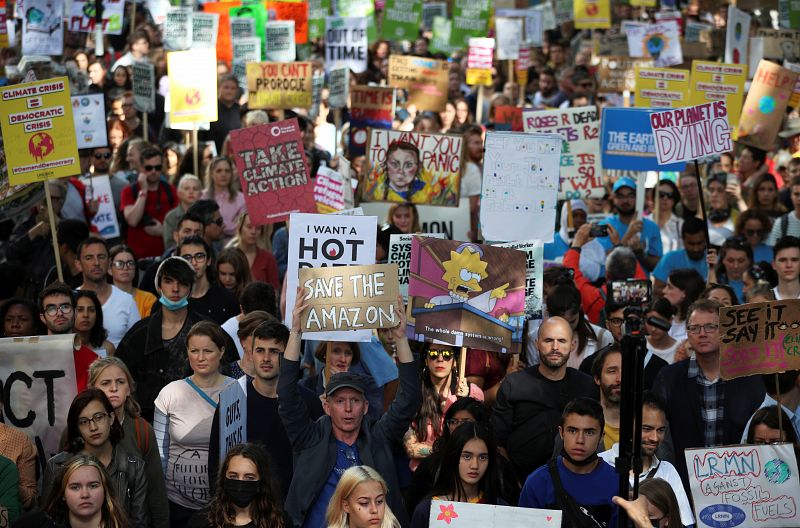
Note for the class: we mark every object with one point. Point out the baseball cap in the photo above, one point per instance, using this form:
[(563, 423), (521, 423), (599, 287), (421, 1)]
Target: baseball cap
[(342, 380), (624, 182)]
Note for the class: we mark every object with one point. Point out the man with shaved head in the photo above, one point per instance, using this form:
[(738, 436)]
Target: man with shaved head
[(529, 404)]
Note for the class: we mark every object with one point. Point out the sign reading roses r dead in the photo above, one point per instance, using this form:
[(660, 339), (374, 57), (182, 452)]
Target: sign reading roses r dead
[(685, 134), (349, 297)]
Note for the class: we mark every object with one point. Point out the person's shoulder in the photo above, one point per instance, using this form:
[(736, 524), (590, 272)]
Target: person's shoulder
[(539, 477), (576, 376)]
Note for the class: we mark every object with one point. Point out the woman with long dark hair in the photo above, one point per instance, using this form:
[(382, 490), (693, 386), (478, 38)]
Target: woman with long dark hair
[(684, 287), (89, 323), (668, 197), (662, 504), (753, 226)]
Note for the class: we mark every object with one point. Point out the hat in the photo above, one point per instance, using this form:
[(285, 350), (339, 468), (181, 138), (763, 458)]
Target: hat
[(624, 182), (343, 380), (792, 128)]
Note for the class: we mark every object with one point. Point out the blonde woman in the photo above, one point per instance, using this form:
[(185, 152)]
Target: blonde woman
[(254, 240), (221, 185), (359, 501)]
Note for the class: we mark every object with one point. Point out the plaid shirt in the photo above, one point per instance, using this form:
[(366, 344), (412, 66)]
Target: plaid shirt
[(712, 398)]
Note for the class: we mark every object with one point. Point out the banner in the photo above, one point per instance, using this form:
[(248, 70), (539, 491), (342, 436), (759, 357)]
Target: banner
[(520, 186), (279, 84), (592, 14), (479, 61), (42, 27), (370, 107), (232, 418), (349, 298), (661, 87), (192, 86), (39, 131), (686, 134), (413, 167), (400, 254), (534, 267), (465, 294), (660, 41), (489, 516), (581, 173), (737, 36), (618, 74), (346, 43), (765, 105), (296, 12), (279, 41), (426, 80), (401, 20), (319, 241), (178, 29), (105, 220), (318, 12), (38, 379), (470, 19), (714, 81), (82, 16), (274, 178), (509, 37), (752, 485), (89, 117), (144, 87), (627, 141), (205, 27)]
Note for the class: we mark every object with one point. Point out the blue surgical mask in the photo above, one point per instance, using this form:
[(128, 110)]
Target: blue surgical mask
[(173, 306)]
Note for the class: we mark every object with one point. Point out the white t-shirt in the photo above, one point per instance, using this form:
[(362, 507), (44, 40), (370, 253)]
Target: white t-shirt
[(778, 296), (667, 354), (119, 314), (471, 180)]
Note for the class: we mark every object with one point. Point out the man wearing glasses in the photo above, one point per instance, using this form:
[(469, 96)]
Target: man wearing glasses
[(703, 409), (57, 312), (145, 203)]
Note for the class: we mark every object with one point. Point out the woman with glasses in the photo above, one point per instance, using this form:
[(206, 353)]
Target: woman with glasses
[(735, 257), (208, 297), (88, 323), (222, 186), (765, 428), (753, 226), (659, 342), (93, 429), (668, 222), (441, 387), (123, 273)]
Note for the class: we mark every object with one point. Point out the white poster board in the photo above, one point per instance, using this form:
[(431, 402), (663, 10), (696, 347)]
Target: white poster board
[(178, 29), (445, 514), (452, 222), (232, 418), (737, 36), (346, 43), (279, 43), (338, 86), (534, 267), (144, 87), (509, 38), (89, 115), (105, 220), (205, 27), (400, 254), (42, 27), (81, 16), (660, 41)]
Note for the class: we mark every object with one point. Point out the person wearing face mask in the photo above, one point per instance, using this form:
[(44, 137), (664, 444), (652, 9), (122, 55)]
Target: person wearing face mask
[(154, 348)]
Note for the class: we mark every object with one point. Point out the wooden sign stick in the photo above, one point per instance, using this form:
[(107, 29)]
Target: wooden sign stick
[(462, 364), (53, 234)]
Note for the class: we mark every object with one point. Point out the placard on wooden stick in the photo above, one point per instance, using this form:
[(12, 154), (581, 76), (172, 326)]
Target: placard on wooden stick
[(349, 297)]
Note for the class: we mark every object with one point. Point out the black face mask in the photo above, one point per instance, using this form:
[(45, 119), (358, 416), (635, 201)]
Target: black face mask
[(241, 492), (580, 463)]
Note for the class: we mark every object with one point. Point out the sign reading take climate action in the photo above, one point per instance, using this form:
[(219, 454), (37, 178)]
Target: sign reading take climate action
[(277, 85), (686, 134), (38, 131)]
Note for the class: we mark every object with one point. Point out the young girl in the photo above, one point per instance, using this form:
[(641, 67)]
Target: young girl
[(254, 241), (359, 501), (89, 323)]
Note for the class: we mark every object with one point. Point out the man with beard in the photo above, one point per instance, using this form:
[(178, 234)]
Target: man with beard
[(607, 373), (654, 427), (529, 403), (641, 236), (693, 255)]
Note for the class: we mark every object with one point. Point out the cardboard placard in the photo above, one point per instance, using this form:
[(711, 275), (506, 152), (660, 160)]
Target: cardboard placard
[(470, 19), (43, 28), (686, 134), (426, 170), (105, 220), (89, 117), (291, 11), (713, 81), (82, 16), (509, 37), (581, 173), (736, 36), (39, 131), (534, 268), (232, 418), (370, 107), (489, 516), (466, 294), (479, 61), (759, 338), (660, 42), (192, 86), (592, 14), (279, 84), (661, 87), (520, 185), (780, 44), (765, 105), (349, 298), (279, 43), (144, 87), (618, 74), (401, 19), (627, 141), (330, 191), (400, 254), (346, 43), (274, 178), (425, 79)]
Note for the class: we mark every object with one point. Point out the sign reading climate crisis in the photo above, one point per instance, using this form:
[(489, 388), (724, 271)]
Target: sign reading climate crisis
[(38, 131), (272, 170), (276, 85)]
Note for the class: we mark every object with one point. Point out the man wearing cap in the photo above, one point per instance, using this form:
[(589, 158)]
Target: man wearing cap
[(346, 436), (641, 236)]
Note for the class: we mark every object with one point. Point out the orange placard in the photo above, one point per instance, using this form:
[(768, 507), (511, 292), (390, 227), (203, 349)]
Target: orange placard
[(297, 11), (224, 46)]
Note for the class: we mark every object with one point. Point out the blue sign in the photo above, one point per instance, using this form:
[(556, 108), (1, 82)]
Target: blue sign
[(628, 142)]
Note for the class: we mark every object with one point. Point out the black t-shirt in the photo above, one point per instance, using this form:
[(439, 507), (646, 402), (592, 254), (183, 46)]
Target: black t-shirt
[(218, 304)]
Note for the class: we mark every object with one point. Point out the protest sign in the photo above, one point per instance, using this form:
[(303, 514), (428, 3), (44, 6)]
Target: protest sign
[(685, 134), (714, 81), (242, 27), (37, 376), (627, 141), (523, 64), (413, 167), (508, 118), (661, 87), (401, 19), (479, 61), (178, 29), (581, 174), (223, 43), (451, 222), (564, 11), (82, 16), (358, 9), (509, 37), (42, 27), (794, 101), (618, 74), (660, 41), (279, 43), (38, 131), (789, 14), (330, 191), (765, 105), (318, 11), (470, 19), (534, 259), (254, 11), (349, 298), (105, 220), (466, 294), (780, 44), (370, 107), (318, 241), (296, 12), (274, 178), (736, 36), (232, 417), (425, 79), (338, 87), (317, 84), (4, 42), (158, 10), (752, 485), (400, 254), (592, 14), (245, 49), (490, 516), (440, 39), (279, 84), (89, 117), (520, 184), (205, 27), (431, 10), (192, 86), (346, 43), (758, 339), (144, 87)]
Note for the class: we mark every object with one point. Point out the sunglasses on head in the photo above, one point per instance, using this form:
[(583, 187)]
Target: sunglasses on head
[(445, 354)]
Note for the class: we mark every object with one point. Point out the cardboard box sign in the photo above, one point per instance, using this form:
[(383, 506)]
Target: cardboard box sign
[(350, 297)]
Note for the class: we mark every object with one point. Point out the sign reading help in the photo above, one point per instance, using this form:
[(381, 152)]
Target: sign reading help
[(686, 134)]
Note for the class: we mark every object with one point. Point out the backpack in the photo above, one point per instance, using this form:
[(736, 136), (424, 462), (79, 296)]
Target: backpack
[(142, 429)]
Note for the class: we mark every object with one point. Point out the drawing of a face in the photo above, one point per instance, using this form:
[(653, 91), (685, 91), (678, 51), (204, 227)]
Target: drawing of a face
[(464, 271), (401, 168)]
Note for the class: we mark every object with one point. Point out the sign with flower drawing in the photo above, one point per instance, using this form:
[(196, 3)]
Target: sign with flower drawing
[(468, 515)]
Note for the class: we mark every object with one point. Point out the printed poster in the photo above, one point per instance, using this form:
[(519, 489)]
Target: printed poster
[(534, 268), (39, 131), (789, 14), (714, 81), (430, 10), (370, 107), (479, 61), (765, 105), (254, 11), (245, 49), (509, 37), (205, 27), (470, 19), (780, 44), (42, 27), (400, 254), (465, 294), (82, 16), (592, 14), (425, 79), (223, 42), (105, 220), (178, 29), (617, 74), (144, 87), (346, 43), (331, 192), (581, 174), (661, 87), (279, 84), (736, 36), (279, 38), (318, 12), (401, 20), (274, 178), (627, 141), (686, 134), (359, 8), (192, 86), (413, 167), (660, 42), (89, 116), (296, 12)]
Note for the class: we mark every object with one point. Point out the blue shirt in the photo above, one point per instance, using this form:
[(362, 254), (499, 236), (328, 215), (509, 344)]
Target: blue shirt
[(346, 457), (678, 259), (762, 253), (650, 235)]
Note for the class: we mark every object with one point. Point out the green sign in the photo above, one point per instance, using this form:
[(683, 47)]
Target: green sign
[(258, 13), (317, 11), (442, 30), (360, 8), (470, 19), (401, 19)]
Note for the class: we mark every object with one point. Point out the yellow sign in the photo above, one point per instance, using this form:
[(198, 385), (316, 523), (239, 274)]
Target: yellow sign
[(715, 81), (477, 76), (661, 88), (192, 86), (592, 14), (38, 131), (279, 84)]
